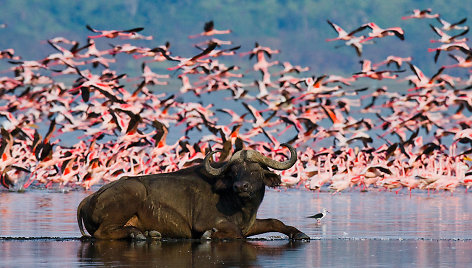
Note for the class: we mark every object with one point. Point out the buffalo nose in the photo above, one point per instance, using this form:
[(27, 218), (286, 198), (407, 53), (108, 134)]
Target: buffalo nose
[(241, 186)]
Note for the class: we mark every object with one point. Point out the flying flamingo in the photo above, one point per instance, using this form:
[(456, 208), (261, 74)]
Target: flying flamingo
[(368, 71), (209, 30), (422, 81), (60, 39), (66, 56), (342, 34), (257, 49), (446, 26), (263, 65), (462, 46), (8, 54), (421, 14), (356, 43), (445, 38), (113, 33), (186, 62), (289, 68), (398, 61), (152, 78), (156, 53), (337, 78), (378, 32), (461, 61), (315, 87)]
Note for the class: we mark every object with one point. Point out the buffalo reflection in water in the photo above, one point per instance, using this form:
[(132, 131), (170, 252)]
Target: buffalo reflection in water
[(181, 253)]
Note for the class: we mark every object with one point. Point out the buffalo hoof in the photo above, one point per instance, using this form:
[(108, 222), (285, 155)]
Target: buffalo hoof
[(138, 236), (207, 234), (154, 234), (300, 236)]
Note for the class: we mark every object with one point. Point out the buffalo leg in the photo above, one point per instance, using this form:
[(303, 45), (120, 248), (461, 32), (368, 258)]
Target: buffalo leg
[(273, 225), (114, 231), (226, 230)]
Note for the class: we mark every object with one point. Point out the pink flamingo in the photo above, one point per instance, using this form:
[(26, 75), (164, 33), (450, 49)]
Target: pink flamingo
[(461, 61), (368, 71), (289, 68), (152, 78), (113, 33), (445, 38), (447, 26), (462, 46), (421, 14), (378, 32), (8, 54), (422, 81), (342, 34), (186, 62), (357, 44), (398, 61)]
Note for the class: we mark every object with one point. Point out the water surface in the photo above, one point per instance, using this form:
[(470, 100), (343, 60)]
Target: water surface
[(39, 228)]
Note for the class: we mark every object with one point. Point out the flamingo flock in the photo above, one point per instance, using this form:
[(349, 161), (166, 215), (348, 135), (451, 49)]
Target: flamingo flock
[(99, 124)]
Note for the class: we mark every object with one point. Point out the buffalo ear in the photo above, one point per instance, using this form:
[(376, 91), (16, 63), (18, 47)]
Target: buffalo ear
[(271, 179)]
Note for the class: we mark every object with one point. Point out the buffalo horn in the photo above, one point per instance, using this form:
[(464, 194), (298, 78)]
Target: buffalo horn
[(269, 162), (211, 170)]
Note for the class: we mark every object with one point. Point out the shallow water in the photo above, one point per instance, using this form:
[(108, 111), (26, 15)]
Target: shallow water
[(362, 229)]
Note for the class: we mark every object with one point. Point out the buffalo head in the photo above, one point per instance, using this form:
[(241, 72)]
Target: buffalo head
[(247, 171)]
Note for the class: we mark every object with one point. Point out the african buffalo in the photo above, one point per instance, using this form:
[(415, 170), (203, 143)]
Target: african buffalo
[(219, 201)]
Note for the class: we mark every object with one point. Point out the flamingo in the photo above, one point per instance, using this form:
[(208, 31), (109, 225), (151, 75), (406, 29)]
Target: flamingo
[(342, 34), (289, 68), (422, 81), (262, 64), (126, 48), (398, 61), (257, 49), (113, 33), (461, 61), (60, 39), (6, 150), (186, 62), (462, 46), (356, 43), (446, 26), (317, 180), (340, 185), (66, 56), (8, 54), (378, 32), (316, 86), (209, 30), (156, 53), (337, 78), (152, 78), (445, 38), (368, 71), (421, 14)]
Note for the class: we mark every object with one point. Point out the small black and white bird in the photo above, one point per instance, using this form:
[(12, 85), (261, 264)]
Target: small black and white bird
[(319, 216)]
